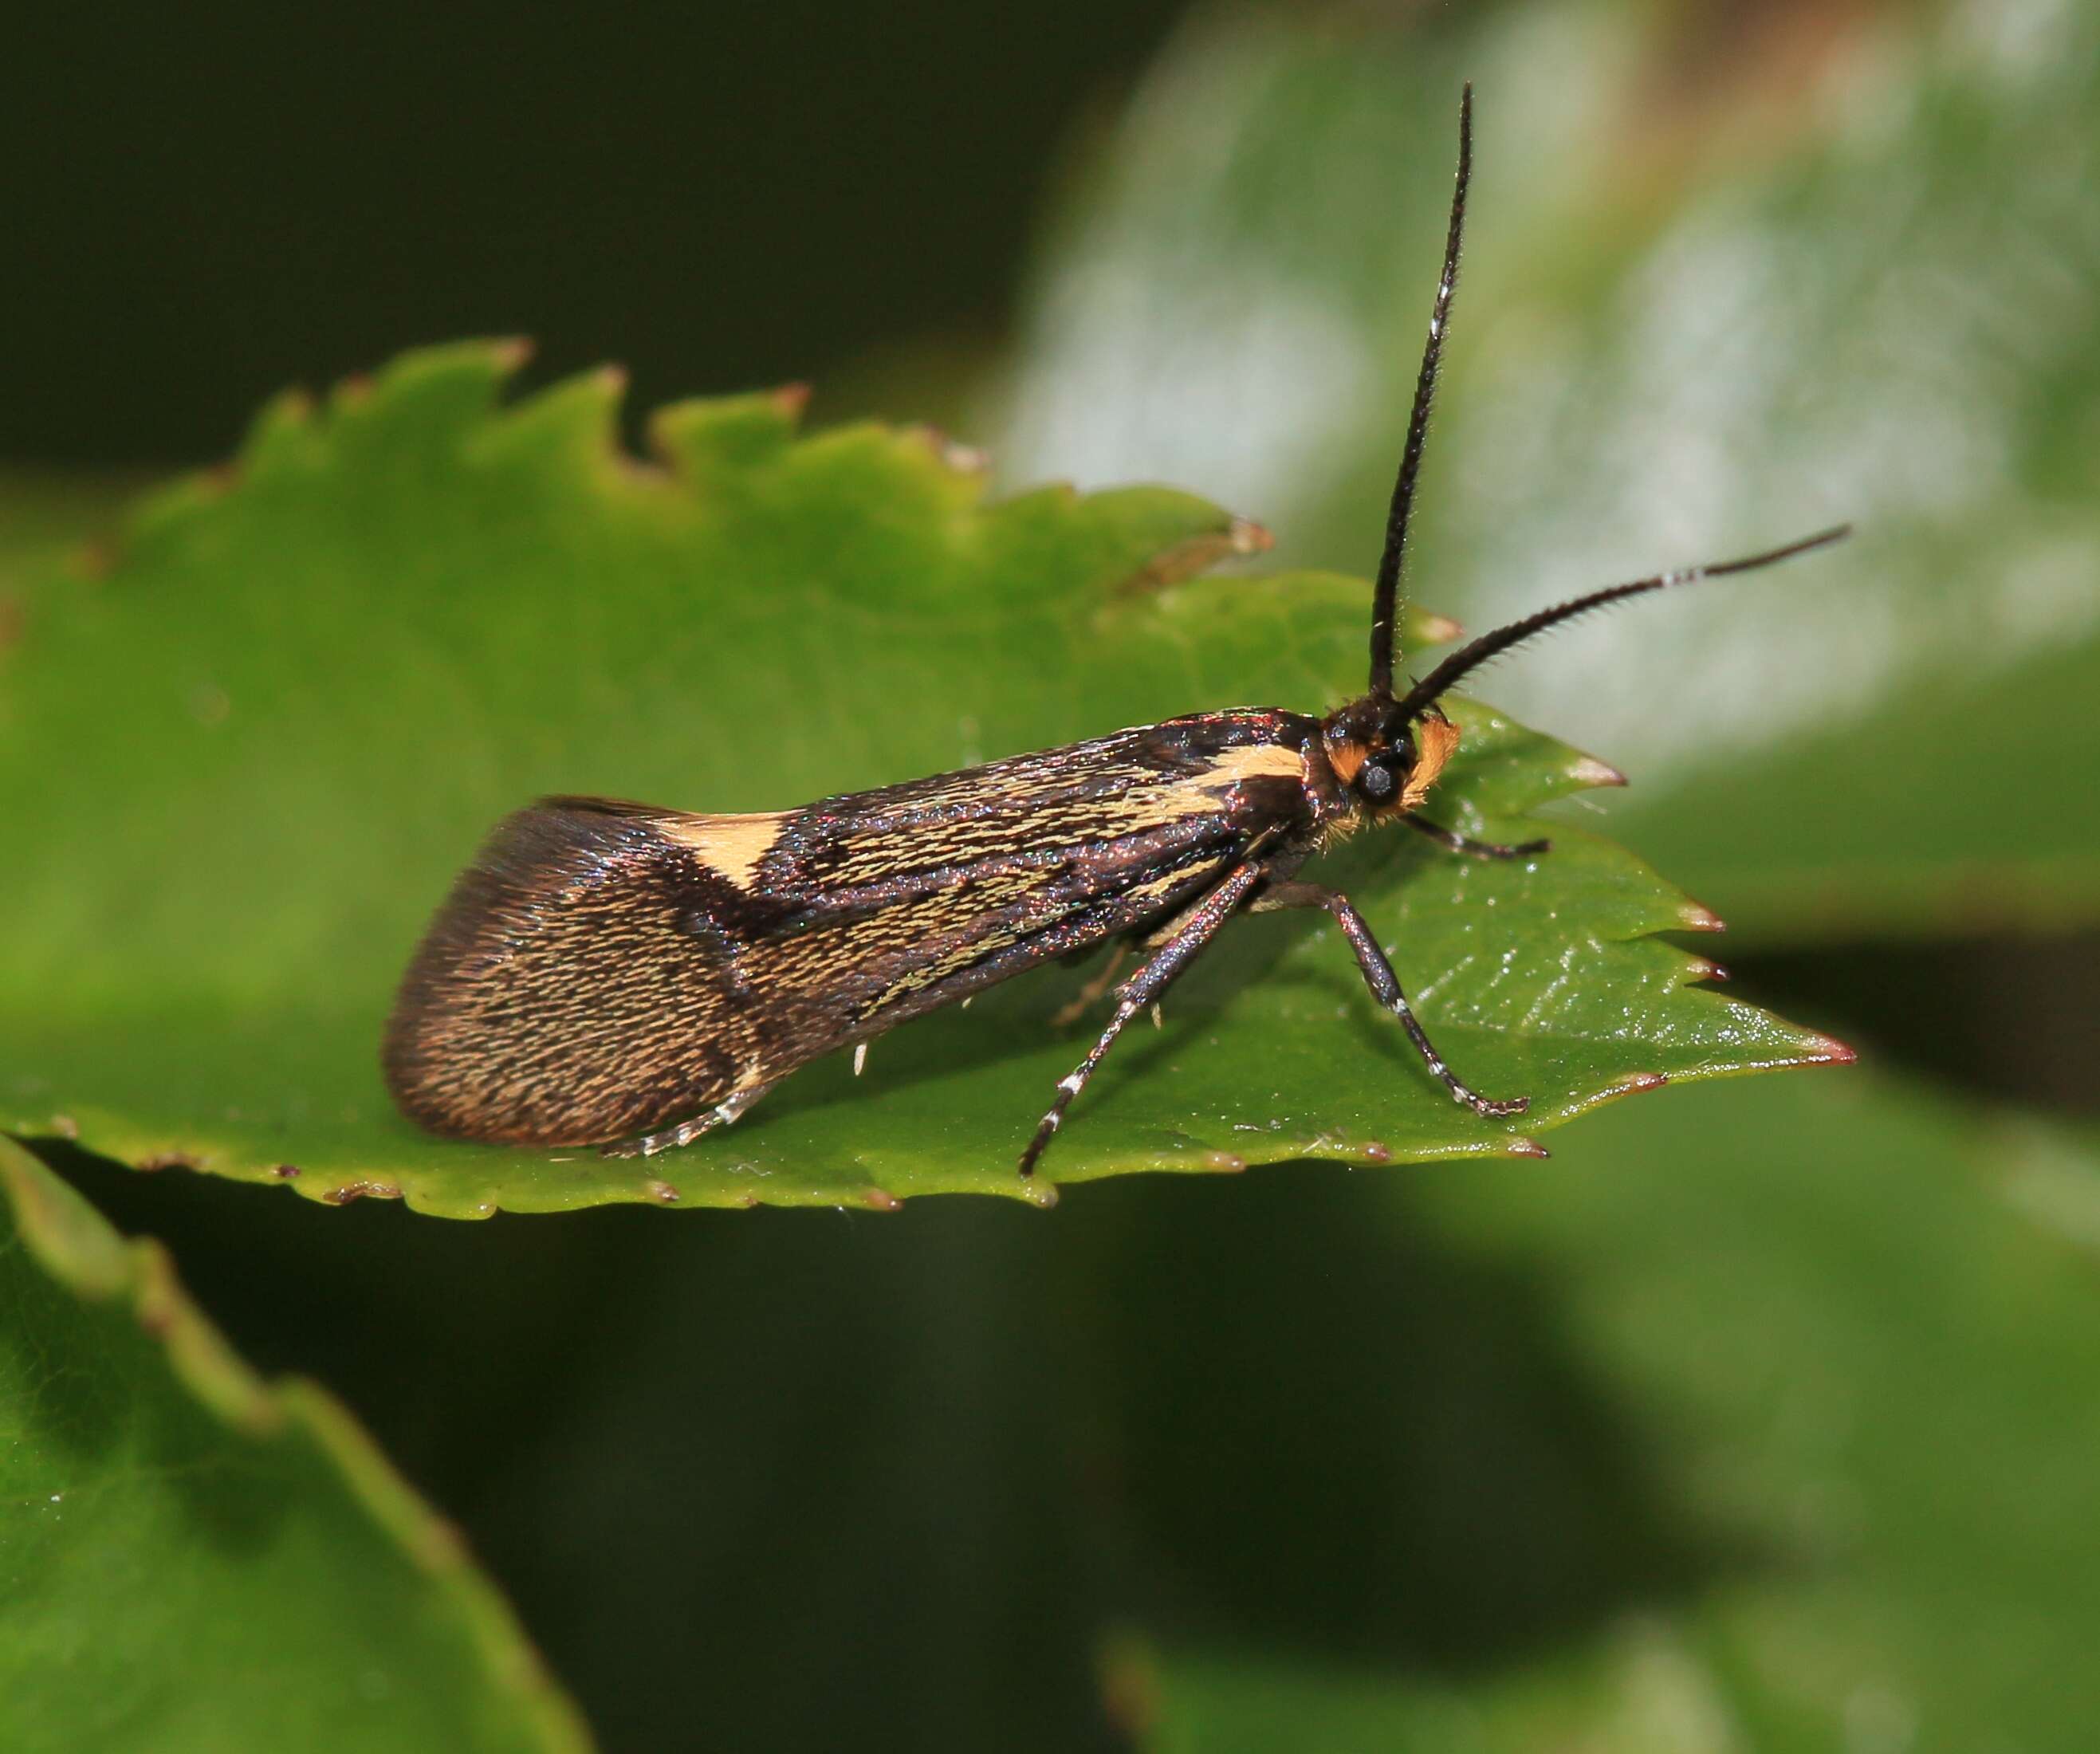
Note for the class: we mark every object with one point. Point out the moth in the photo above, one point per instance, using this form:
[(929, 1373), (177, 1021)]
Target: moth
[(615, 974)]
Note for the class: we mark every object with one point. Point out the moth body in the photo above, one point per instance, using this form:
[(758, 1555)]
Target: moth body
[(603, 968)]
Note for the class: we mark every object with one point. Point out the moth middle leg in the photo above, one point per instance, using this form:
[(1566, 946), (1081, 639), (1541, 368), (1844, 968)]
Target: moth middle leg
[(1194, 929), (1384, 984), (1082, 1002)]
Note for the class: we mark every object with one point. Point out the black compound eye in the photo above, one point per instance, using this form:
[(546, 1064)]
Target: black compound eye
[(1377, 781)]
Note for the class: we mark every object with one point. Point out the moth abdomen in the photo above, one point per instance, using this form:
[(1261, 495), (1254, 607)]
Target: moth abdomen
[(582, 980)]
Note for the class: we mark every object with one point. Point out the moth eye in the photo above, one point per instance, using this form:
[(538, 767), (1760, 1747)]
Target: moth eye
[(1377, 781)]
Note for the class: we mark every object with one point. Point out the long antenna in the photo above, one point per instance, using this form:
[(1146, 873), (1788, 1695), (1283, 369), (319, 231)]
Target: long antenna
[(1490, 645), (1386, 601)]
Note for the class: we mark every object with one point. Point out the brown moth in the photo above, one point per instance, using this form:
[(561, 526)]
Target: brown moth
[(615, 974)]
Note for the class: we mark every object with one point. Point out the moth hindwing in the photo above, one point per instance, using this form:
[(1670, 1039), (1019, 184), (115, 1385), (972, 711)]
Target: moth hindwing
[(615, 974)]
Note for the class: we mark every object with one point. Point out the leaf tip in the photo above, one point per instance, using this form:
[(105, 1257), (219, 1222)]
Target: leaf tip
[(881, 1199), (1828, 1050), (1695, 916), (1525, 1148), (663, 1193), (1587, 770), (1438, 630), (1243, 535)]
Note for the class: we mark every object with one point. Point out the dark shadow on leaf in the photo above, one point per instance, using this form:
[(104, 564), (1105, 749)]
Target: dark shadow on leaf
[(1330, 1429), (789, 1479)]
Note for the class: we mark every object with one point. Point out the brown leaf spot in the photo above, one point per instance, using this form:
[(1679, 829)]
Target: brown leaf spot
[(170, 1159), (359, 1190), (94, 560)]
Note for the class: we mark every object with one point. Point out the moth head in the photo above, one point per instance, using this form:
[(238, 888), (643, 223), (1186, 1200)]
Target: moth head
[(1387, 763), (1389, 746)]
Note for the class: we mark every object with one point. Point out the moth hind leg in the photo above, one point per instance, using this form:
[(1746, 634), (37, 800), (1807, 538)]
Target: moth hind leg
[(670, 1138)]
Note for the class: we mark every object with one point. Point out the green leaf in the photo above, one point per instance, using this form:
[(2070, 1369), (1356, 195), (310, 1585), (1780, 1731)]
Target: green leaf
[(197, 1559), (1849, 276), (1847, 1328), (251, 757)]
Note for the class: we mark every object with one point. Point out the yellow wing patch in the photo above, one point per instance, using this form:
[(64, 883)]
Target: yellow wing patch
[(1198, 793), (731, 846)]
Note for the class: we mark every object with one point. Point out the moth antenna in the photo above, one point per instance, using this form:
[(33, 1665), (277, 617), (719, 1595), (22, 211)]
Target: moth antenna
[(1488, 646), (1385, 601)]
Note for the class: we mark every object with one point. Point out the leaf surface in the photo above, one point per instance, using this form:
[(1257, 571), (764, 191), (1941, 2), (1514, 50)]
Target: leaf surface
[(250, 757)]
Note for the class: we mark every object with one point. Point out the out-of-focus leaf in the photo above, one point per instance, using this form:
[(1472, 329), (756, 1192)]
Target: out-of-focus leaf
[(1860, 1326), (247, 761), (1725, 283), (197, 1559)]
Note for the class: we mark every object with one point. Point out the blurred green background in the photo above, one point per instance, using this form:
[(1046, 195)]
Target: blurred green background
[(1766, 1415)]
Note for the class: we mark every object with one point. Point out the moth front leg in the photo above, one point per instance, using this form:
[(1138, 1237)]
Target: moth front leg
[(1195, 929), (1474, 849), (1384, 984)]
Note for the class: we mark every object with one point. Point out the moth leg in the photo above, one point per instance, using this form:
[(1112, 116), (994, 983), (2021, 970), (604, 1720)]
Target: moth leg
[(1475, 850), (687, 1131), (1082, 1001), (1198, 926), (1384, 984)]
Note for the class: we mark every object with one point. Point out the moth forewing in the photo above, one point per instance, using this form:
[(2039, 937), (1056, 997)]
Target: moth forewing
[(604, 969)]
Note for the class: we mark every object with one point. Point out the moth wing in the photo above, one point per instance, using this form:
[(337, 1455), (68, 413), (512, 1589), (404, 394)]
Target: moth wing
[(580, 983)]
